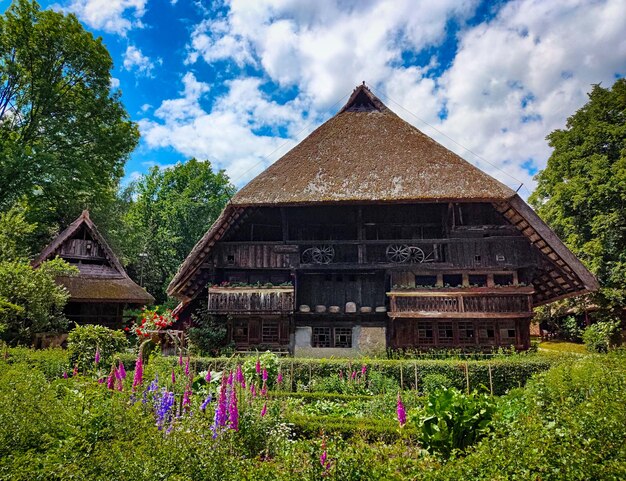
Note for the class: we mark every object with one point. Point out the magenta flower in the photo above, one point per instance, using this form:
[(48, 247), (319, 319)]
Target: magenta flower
[(363, 370), (401, 412), (279, 378), (340, 374), (65, 376), (264, 390), (173, 377), (138, 377), (233, 411), (187, 367), (187, 398), (75, 370), (264, 377), (221, 414), (264, 410), (180, 358), (122, 371), (96, 358), (111, 381), (258, 366), (101, 380), (207, 378), (253, 390), (353, 375), (230, 378), (239, 375)]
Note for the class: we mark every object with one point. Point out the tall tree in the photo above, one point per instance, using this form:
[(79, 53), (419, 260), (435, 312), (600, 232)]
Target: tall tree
[(582, 191), (64, 137), (169, 211)]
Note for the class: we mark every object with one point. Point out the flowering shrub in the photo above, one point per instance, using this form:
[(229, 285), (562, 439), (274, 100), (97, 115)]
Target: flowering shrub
[(90, 342), (151, 320)]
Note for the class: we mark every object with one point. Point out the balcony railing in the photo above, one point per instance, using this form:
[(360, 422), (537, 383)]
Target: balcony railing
[(461, 303), (233, 300)]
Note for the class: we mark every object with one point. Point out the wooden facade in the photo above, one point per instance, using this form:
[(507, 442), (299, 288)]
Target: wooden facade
[(370, 224)]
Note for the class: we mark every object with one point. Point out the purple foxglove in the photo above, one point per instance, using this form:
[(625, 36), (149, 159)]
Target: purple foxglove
[(279, 378), (138, 376), (173, 377), (122, 371), (187, 367), (233, 411), (264, 377), (239, 375), (65, 376), (258, 366), (96, 358), (363, 370), (207, 378), (264, 410), (401, 412)]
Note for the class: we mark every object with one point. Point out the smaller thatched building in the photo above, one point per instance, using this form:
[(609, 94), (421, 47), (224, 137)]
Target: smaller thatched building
[(102, 289)]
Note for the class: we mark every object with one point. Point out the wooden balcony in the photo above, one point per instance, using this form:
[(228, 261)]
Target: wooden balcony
[(467, 303), (244, 300)]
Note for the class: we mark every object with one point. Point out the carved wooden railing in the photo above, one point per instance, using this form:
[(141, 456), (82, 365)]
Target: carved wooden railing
[(461, 303), (233, 300)]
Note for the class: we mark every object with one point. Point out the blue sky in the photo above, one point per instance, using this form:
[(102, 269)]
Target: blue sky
[(240, 82)]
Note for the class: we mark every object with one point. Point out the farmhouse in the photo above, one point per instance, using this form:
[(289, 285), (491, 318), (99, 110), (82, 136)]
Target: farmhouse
[(369, 234), (102, 289)]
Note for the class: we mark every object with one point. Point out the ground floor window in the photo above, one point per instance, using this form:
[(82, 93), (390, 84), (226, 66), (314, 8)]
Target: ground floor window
[(332, 337)]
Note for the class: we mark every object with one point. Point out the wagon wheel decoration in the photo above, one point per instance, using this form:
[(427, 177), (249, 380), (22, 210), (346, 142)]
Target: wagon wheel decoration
[(323, 254), (318, 255), (417, 255), (398, 253)]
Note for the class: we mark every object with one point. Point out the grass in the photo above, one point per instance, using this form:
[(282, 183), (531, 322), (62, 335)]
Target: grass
[(562, 347)]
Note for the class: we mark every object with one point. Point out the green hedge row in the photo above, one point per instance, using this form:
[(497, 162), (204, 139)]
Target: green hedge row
[(370, 429), (318, 396), (498, 374)]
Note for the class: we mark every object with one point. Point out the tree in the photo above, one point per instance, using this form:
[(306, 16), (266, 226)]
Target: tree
[(64, 137), (581, 193), (169, 210), (30, 300)]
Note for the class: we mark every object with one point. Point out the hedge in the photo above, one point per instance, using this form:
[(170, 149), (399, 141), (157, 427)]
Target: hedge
[(506, 372)]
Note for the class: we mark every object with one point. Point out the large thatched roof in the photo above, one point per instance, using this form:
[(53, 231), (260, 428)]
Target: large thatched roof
[(96, 282), (366, 153)]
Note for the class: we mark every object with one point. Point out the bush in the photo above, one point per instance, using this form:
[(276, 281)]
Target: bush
[(435, 382), (267, 361), (208, 337), (602, 336), (452, 420), (570, 329), (83, 341)]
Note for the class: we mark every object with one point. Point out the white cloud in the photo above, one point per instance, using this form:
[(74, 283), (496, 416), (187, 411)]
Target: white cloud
[(513, 79), (135, 60), (113, 16), (115, 83)]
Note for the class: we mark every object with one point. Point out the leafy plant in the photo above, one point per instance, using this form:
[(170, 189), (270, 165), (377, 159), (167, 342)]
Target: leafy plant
[(435, 382), (602, 336), (208, 336), (84, 341), (452, 420)]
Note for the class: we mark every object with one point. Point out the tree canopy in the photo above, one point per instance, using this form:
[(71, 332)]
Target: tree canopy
[(169, 209), (64, 136), (581, 193)]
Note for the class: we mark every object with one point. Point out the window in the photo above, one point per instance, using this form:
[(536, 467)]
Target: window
[(478, 280), (332, 337), (466, 333), (425, 335), (230, 259), (452, 280), (269, 332), (507, 332), (503, 279), (445, 333), (430, 281), (321, 337), (487, 332), (240, 331)]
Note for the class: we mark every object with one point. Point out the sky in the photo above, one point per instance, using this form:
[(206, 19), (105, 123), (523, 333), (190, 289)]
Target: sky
[(240, 82)]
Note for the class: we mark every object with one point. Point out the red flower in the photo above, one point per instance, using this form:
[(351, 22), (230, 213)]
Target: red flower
[(126, 328)]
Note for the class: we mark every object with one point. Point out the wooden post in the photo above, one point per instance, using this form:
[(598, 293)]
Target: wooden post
[(291, 377), (401, 379), (490, 380), (415, 367), (310, 373), (467, 377)]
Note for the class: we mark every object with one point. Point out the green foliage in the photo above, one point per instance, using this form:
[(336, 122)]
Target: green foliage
[(435, 382), (267, 361), (602, 336), (208, 336), (581, 192), (452, 420), (83, 341), (14, 234), (571, 330), (30, 300), (169, 210), (64, 137)]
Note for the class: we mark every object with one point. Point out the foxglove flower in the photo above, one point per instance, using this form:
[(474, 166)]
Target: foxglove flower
[(173, 377), (401, 412), (264, 377), (187, 398), (111, 381), (187, 367), (122, 371), (253, 390), (258, 366), (207, 378), (65, 376), (138, 376), (264, 390), (363, 370), (341, 374), (230, 378), (233, 411), (264, 410), (221, 412), (279, 378), (75, 371), (180, 358), (239, 375), (353, 375), (96, 358)]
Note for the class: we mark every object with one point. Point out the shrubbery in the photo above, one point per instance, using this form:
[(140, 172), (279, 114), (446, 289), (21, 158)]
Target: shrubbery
[(84, 341), (602, 336)]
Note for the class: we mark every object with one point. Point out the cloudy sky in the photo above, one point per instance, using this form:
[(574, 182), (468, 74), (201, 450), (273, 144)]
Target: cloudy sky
[(239, 82)]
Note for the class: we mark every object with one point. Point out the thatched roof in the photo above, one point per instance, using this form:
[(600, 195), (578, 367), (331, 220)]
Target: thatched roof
[(366, 153), (105, 281)]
